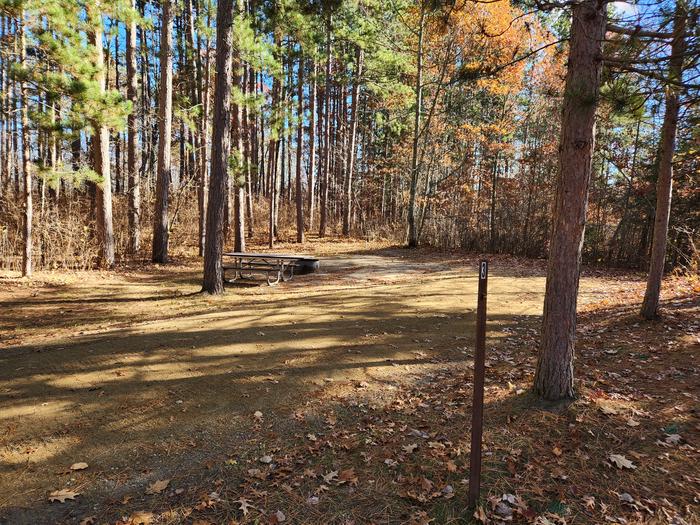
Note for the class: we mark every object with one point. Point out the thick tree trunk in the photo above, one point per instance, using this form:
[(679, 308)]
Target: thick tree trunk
[(325, 179), (100, 151), (213, 282), (664, 182), (412, 233), (165, 125), (300, 150), (554, 379), (28, 207), (347, 215), (133, 152)]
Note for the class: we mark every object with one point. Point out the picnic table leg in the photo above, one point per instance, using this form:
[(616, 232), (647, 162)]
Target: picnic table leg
[(290, 268), (270, 282)]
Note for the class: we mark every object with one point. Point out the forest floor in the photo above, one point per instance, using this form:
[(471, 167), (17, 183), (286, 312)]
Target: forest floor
[(341, 397)]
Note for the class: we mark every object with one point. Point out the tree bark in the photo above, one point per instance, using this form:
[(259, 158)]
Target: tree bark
[(326, 135), (100, 151), (412, 234), (554, 379), (300, 149), (238, 181), (249, 161), (312, 147), (28, 207), (133, 153), (664, 183), (203, 189), (347, 215), (213, 281), (272, 165), (165, 125)]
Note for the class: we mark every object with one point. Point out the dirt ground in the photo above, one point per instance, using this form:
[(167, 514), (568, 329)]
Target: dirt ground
[(340, 397)]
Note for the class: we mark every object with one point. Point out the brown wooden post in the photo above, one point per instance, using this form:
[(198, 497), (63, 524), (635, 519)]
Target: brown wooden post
[(478, 396)]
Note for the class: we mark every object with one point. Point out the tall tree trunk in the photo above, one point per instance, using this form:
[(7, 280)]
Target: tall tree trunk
[(118, 172), (300, 150), (554, 379), (100, 151), (203, 188), (272, 181), (165, 125), (238, 181), (251, 129), (247, 153), (133, 152), (28, 208), (194, 82), (412, 233), (325, 179), (664, 182), (213, 281), (312, 147), (273, 159), (347, 215)]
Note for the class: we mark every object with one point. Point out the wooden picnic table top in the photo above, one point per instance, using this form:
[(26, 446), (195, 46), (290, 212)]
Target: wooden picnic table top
[(285, 256)]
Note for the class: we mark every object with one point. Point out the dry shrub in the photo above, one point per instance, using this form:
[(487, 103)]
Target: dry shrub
[(62, 236)]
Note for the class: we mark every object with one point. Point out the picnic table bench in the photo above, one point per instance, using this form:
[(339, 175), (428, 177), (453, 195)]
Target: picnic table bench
[(275, 266)]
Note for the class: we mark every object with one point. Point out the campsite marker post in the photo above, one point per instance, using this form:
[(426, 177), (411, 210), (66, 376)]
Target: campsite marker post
[(478, 396)]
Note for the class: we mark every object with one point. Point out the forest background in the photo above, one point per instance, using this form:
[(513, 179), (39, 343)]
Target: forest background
[(432, 123)]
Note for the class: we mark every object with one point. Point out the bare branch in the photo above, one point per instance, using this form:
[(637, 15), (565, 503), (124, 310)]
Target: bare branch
[(637, 31)]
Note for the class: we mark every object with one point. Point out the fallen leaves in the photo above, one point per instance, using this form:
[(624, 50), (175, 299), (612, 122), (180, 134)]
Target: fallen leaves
[(408, 449), (157, 486), (589, 502), (244, 506), (673, 439), (141, 517), (347, 476), (330, 476), (621, 461), (62, 495)]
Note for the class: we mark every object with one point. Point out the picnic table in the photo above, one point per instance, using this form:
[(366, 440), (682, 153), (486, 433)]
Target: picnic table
[(275, 266)]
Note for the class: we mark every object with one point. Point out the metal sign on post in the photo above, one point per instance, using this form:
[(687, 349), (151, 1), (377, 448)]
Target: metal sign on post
[(478, 396)]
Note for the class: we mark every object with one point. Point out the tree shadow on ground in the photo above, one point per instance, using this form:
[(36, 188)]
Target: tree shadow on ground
[(175, 397), (128, 396)]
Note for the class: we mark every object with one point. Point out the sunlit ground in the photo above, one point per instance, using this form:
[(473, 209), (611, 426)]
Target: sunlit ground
[(142, 378)]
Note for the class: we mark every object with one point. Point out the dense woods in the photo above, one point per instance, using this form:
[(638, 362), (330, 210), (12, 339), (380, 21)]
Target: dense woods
[(544, 129), (431, 123)]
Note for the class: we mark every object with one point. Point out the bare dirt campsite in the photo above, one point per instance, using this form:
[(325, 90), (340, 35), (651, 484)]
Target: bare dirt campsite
[(349, 262), (339, 397)]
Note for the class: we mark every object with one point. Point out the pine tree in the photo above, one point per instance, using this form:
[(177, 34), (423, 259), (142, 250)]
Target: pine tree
[(165, 126), (554, 379), (213, 282)]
